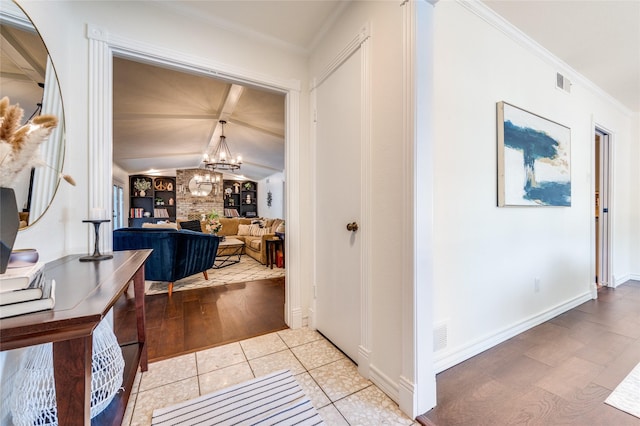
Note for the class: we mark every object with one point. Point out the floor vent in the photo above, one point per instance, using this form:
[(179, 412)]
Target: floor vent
[(440, 336), (563, 83)]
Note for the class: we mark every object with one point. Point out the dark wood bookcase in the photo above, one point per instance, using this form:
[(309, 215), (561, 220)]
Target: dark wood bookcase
[(159, 200), (241, 196)]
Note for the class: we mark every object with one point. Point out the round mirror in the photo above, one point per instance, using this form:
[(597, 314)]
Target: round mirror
[(202, 185), (28, 78)]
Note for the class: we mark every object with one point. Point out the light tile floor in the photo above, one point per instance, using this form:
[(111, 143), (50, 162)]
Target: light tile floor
[(330, 380)]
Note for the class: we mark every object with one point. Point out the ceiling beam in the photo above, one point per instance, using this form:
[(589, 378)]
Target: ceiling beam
[(13, 49)]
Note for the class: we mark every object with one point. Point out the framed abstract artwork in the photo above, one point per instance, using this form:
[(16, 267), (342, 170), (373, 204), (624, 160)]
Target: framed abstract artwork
[(534, 159)]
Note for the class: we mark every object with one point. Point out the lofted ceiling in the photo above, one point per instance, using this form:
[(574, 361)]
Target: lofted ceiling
[(165, 120), (23, 62)]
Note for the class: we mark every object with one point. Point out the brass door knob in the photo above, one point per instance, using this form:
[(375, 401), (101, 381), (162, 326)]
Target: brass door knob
[(353, 226)]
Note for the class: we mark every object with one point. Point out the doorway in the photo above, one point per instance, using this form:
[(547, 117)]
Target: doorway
[(118, 205), (103, 47), (602, 210)]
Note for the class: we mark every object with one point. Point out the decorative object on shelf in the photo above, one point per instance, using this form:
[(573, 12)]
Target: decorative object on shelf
[(222, 158), (248, 186), (170, 186), (33, 401), (159, 185), (96, 256), (236, 187), (269, 199), (20, 145), (533, 159), (142, 186), (248, 199), (146, 214), (23, 257), (170, 201), (19, 150), (212, 223), (228, 192), (9, 224)]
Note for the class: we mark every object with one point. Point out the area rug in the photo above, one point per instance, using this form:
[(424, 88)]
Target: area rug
[(626, 396), (275, 399), (248, 269)]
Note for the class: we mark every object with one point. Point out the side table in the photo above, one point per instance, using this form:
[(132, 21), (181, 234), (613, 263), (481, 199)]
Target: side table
[(272, 246)]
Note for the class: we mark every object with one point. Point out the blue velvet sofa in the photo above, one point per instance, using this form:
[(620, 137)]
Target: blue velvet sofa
[(176, 254)]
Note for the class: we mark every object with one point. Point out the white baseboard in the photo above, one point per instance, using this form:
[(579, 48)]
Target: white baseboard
[(296, 318), (621, 280), (364, 361), (406, 396), (449, 358), (384, 383)]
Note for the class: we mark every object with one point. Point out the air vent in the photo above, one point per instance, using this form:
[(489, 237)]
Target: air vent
[(440, 336), (563, 83)]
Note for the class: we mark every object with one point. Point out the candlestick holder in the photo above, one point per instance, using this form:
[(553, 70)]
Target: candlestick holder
[(96, 251)]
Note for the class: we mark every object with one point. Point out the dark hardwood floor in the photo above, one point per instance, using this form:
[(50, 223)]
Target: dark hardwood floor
[(558, 373), (193, 320)]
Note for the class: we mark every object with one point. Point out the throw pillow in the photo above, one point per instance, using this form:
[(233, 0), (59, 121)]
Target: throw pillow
[(191, 225), (170, 225), (257, 231), (244, 230)]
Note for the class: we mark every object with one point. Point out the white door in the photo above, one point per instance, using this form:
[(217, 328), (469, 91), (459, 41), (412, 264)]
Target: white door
[(338, 190)]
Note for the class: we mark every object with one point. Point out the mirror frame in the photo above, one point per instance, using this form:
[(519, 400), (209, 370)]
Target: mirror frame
[(202, 185), (12, 14)]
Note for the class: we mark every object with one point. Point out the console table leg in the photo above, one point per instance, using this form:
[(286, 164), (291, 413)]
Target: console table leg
[(72, 372), (138, 288)]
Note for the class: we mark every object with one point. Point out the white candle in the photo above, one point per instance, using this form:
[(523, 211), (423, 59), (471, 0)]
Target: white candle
[(97, 213)]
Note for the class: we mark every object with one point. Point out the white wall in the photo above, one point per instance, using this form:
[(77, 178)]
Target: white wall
[(275, 184), (488, 257), (635, 200)]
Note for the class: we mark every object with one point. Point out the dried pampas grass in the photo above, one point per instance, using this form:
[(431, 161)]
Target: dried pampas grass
[(20, 145)]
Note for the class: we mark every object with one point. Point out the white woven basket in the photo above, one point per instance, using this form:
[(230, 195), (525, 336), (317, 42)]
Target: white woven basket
[(33, 401)]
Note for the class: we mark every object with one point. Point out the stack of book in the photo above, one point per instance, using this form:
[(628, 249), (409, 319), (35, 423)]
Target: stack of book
[(160, 213), (25, 290)]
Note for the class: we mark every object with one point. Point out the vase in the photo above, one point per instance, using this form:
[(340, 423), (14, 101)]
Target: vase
[(9, 224), (142, 193)]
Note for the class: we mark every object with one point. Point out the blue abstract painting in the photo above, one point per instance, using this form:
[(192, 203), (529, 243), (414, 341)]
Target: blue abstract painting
[(533, 159)]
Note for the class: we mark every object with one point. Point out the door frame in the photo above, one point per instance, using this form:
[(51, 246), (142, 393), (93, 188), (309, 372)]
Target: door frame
[(103, 46), (602, 246)]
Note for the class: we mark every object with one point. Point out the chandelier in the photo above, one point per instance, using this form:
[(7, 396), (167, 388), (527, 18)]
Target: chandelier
[(222, 158)]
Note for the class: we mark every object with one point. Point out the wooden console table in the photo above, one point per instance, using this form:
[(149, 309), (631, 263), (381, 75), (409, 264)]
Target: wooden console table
[(85, 292)]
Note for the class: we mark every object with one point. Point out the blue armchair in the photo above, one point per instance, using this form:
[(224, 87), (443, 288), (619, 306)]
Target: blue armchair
[(176, 253)]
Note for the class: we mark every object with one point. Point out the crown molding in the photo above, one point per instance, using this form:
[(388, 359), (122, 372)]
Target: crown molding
[(487, 14)]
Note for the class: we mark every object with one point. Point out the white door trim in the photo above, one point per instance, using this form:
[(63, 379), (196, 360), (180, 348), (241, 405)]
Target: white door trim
[(417, 382), (605, 226), (102, 47)]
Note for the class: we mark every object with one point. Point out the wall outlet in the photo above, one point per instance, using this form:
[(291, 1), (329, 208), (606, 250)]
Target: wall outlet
[(536, 285)]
